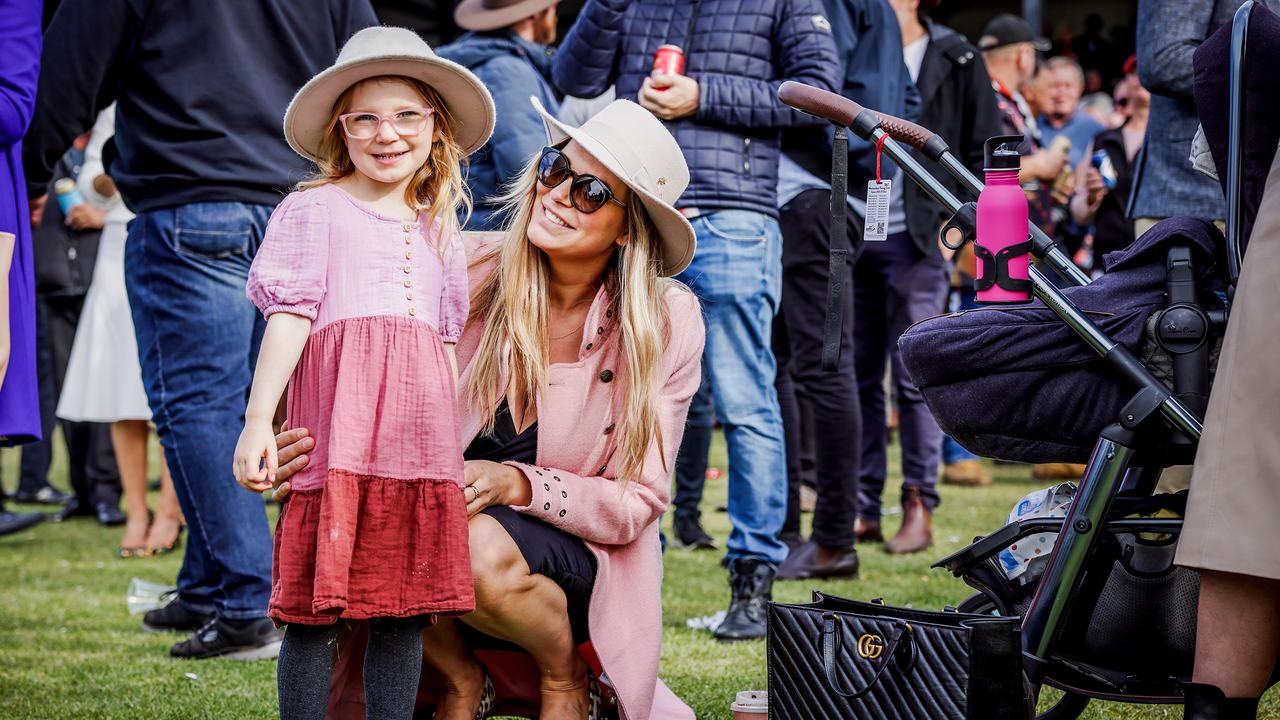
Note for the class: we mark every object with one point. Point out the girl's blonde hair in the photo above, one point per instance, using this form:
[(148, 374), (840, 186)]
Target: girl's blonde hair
[(512, 305), (436, 188)]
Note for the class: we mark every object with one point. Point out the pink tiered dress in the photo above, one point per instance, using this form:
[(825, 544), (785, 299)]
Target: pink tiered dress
[(376, 525)]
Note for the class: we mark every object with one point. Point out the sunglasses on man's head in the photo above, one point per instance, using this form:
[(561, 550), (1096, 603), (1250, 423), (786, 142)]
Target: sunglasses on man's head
[(587, 193)]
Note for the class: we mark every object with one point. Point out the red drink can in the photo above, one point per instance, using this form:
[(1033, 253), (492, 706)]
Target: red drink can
[(669, 60)]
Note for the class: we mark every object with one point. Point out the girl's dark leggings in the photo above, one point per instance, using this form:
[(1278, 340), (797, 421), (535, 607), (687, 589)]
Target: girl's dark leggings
[(392, 665)]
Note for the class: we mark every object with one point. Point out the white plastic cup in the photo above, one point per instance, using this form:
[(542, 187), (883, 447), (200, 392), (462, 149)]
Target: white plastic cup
[(751, 705), (143, 596)]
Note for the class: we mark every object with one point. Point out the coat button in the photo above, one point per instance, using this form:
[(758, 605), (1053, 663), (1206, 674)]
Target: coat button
[(599, 331), (609, 430), (606, 376), (546, 506), (602, 469), (589, 346)]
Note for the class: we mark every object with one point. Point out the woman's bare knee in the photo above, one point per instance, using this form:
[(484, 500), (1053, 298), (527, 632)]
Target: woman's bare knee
[(497, 565)]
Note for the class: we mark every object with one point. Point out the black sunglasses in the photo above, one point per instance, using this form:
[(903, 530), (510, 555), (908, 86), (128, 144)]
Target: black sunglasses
[(587, 193)]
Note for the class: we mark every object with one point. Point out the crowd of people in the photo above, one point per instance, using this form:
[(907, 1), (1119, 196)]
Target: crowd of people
[(509, 310)]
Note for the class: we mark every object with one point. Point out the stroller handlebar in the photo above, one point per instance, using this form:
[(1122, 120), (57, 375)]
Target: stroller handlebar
[(843, 111)]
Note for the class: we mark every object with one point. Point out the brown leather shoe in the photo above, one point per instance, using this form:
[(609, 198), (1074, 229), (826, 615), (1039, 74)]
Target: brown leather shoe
[(916, 533), (812, 560), (966, 473), (867, 531), (1057, 471)]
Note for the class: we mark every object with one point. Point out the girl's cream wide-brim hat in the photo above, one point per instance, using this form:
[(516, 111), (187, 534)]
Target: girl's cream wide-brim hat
[(377, 51), (635, 147)]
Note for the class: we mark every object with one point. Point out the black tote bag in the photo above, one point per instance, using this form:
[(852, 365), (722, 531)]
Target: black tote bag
[(837, 659)]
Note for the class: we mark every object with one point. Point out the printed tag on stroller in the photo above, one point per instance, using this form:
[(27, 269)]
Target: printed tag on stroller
[(877, 225)]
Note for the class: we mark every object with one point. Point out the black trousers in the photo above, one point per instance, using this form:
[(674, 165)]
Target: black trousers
[(830, 399), (92, 462), (691, 459)]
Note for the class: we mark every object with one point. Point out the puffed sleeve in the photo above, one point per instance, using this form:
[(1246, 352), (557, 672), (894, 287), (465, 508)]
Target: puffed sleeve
[(288, 273), (454, 301)]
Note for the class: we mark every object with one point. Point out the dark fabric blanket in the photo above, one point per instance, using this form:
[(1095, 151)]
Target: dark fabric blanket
[(1017, 383)]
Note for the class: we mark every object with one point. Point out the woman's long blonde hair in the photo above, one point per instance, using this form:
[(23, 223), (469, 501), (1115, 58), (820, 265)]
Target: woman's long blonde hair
[(512, 305), (436, 188)]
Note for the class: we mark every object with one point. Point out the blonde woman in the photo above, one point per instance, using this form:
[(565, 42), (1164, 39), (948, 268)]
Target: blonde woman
[(579, 360)]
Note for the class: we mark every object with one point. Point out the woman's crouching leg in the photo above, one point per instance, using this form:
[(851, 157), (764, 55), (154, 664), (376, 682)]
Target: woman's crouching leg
[(446, 652), (529, 610)]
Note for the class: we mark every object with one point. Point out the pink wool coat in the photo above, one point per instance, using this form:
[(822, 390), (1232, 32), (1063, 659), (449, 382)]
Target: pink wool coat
[(575, 486)]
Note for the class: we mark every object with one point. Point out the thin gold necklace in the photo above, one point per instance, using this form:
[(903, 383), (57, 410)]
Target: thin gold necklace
[(580, 303)]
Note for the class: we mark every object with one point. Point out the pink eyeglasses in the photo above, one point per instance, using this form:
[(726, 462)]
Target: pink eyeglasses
[(365, 125)]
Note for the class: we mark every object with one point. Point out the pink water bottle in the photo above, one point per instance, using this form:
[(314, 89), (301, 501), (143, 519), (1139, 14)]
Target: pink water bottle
[(1002, 246)]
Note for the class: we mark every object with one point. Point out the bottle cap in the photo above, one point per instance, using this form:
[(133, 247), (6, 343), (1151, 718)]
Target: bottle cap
[(1001, 152)]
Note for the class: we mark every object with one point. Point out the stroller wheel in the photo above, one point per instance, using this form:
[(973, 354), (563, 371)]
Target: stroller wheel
[(1068, 707)]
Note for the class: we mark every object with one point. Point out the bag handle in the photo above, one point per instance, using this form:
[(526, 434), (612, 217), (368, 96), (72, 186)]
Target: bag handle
[(831, 649)]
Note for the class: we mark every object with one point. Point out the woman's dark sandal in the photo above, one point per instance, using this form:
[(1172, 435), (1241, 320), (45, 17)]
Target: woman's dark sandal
[(166, 549), (593, 698)]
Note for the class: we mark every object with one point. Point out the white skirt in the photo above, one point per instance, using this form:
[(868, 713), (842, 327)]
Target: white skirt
[(104, 379)]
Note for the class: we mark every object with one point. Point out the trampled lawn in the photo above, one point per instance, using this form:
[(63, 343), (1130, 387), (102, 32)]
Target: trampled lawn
[(69, 648)]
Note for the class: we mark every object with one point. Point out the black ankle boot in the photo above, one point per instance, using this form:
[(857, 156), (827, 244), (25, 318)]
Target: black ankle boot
[(751, 582), (1206, 702)]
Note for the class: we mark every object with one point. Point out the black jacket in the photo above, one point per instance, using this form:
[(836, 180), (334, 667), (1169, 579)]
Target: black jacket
[(64, 258), (957, 104), (201, 89)]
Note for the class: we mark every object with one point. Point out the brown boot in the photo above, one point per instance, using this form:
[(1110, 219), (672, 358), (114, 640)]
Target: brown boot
[(1057, 471), (916, 533), (867, 531), (967, 473)]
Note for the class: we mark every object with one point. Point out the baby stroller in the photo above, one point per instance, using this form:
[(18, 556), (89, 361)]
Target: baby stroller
[(1108, 615)]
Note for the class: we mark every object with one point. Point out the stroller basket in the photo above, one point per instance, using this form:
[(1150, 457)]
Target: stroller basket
[(1009, 382)]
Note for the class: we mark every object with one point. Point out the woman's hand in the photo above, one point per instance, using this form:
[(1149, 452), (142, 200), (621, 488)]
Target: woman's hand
[(291, 452), (1095, 189), (490, 483), (255, 463)]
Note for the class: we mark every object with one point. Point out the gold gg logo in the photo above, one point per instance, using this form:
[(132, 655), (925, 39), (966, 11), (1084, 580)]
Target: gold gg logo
[(870, 646)]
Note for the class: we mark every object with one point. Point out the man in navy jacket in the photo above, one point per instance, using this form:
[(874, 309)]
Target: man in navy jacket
[(725, 114), (872, 74), (507, 48)]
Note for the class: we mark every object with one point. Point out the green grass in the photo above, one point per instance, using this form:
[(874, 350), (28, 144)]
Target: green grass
[(69, 648)]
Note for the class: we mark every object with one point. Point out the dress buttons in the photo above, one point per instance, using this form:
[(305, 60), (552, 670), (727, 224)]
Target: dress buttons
[(606, 376), (408, 254), (408, 227), (408, 282), (408, 296), (408, 239), (408, 269), (609, 430), (413, 311)]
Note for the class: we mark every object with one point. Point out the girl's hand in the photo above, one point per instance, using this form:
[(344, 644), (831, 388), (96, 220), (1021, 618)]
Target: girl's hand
[(255, 462), (490, 483)]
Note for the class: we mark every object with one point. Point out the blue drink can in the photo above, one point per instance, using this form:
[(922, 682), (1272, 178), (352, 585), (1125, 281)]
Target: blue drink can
[(1102, 161), (68, 194)]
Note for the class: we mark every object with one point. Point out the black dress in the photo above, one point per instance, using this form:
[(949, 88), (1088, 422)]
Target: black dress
[(548, 550)]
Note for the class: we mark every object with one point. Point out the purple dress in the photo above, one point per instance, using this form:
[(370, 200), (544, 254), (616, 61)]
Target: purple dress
[(19, 70)]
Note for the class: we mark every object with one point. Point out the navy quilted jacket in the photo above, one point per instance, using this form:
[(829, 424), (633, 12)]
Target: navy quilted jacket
[(739, 51)]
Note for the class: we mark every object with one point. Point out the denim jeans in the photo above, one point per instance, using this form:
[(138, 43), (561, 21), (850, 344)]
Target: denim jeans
[(198, 337), (737, 274)]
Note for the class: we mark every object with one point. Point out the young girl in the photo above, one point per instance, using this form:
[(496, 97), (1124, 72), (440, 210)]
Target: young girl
[(362, 278)]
